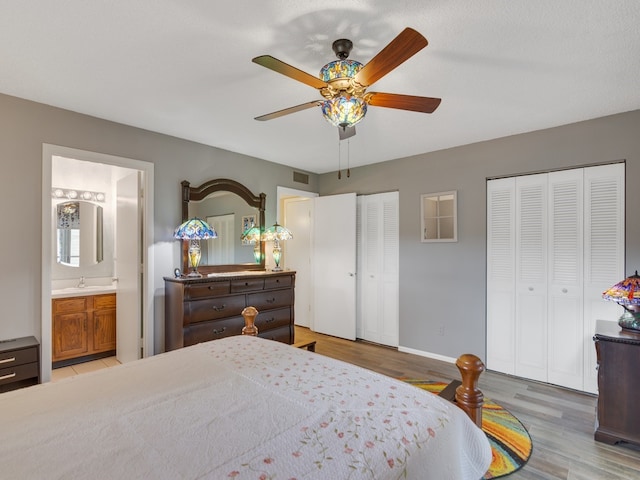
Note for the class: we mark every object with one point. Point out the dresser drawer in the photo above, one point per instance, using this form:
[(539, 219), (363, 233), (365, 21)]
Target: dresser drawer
[(213, 308), (72, 304), (277, 282), (282, 334), (212, 330), (270, 299), (204, 290), (247, 285), (18, 373), (273, 319), (18, 357)]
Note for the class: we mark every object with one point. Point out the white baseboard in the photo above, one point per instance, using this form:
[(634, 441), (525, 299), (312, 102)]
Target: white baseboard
[(435, 356)]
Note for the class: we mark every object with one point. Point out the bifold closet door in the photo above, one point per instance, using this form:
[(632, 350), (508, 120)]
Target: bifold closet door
[(604, 244), (565, 321), (378, 275), (555, 242), (531, 277), (501, 275)]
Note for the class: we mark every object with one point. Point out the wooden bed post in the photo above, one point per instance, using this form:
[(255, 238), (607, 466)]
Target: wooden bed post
[(468, 396), (249, 315)]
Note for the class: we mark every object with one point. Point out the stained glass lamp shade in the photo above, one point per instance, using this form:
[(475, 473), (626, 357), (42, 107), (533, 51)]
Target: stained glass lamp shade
[(194, 230), (627, 294), (276, 234), (344, 110), (252, 236)]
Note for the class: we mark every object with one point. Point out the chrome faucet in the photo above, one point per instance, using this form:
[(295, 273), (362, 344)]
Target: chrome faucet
[(81, 283)]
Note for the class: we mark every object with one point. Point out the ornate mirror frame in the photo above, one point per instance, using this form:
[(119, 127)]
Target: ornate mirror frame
[(200, 193)]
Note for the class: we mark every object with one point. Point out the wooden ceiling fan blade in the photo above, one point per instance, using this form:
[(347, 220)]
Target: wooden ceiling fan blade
[(287, 111), (403, 102), (287, 70), (401, 48), (346, 132)]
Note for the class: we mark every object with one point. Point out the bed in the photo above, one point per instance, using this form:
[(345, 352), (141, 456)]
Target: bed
[(240, 407)]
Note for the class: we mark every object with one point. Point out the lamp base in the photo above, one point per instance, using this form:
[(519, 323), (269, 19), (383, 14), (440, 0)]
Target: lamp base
[(194, 274), (630, 321), (277, 268)]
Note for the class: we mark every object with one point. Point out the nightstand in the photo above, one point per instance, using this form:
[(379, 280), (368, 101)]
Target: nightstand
[(19, 363), (618, 388)]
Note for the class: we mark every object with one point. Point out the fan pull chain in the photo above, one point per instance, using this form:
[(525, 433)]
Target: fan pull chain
[(348, 157), (339, 171)]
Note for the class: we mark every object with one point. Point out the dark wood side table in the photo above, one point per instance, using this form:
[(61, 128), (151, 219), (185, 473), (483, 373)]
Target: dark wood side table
[(618, 414)]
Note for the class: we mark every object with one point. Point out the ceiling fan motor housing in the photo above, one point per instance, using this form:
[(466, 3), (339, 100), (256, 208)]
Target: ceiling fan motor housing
[(342, 48)]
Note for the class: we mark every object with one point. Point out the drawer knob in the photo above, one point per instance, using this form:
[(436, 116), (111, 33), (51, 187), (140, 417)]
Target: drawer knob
[(270, 320), (218, 332), (10, 375), (271, 300), (8, 360), (219, 308)]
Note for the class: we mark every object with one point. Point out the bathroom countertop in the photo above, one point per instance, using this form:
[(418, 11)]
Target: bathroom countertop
[(82, 291)]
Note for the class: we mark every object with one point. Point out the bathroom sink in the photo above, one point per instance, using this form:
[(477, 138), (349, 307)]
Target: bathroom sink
[(80, 291)]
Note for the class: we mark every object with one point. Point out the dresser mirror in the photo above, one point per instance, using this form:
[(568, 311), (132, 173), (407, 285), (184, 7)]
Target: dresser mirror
[(79, 234), (230, 208)]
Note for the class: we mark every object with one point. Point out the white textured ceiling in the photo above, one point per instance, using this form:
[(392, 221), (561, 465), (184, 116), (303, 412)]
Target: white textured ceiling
[(183, 67)]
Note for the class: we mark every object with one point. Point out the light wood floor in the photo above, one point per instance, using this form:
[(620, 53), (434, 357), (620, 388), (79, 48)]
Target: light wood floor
[(560, 421)]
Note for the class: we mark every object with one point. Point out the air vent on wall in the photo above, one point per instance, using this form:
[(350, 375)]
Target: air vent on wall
[(301, 178)]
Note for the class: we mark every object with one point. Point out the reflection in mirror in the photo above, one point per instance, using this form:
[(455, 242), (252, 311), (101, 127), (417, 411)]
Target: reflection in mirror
[(230, 208), (79, 233)]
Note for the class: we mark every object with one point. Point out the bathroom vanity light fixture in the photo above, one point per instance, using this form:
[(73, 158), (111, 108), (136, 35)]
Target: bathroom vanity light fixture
[(194, 230), (72, 194)]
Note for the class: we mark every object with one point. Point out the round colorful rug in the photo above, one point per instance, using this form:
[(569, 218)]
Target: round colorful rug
[(510, 442)]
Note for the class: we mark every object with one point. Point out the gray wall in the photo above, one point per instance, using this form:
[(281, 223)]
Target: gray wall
[(25, 126), (440, 284), (444, 283)]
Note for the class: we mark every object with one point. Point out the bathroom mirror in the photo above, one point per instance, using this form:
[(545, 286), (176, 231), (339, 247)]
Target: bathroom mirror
[(228, 206), (79, 234)]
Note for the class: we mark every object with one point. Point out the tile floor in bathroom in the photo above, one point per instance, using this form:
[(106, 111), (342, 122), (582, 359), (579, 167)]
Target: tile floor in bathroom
[(70, 371)]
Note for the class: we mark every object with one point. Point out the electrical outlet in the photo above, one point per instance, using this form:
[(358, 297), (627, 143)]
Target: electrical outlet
[(441, 330)]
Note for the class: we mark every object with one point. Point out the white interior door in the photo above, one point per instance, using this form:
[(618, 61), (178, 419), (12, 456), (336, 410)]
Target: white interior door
[(334, 259), (128, 240), (297, 254)]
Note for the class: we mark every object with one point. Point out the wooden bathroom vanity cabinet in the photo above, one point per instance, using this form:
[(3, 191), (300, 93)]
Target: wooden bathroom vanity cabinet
[(83, 326), (208, 308)]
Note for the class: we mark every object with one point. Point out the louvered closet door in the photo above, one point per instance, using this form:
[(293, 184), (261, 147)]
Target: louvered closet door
[(565, 287), (531, 277), (604, 253), (378, 277), (501, 275)]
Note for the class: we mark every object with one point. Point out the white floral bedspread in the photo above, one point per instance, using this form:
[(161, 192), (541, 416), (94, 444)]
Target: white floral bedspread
[(242, 408)]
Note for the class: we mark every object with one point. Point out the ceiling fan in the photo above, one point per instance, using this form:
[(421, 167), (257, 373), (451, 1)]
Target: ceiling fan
[(343, 83)]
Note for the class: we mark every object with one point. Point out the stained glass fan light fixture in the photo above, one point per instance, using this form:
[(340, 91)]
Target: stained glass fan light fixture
[(627, 294), (276, 234), (194, 230)]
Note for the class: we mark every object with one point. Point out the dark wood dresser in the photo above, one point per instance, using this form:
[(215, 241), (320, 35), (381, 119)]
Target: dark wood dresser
[(618, 415), (19, 363), (202, 309)]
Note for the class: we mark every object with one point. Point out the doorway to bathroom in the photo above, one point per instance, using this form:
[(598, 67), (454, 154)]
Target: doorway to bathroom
[(91, 260)]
